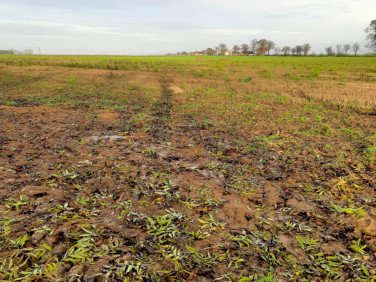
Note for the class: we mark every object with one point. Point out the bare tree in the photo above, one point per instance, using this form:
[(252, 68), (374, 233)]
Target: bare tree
[(235, 50), (339, 49), (222, 48), (245, 49), (293, 51), (262, 47), (210, 51), (269, 45), (216, 50), (277, 51), (329, 51), (346, 48), (306, 48), (355, 47), (254, 44), (371, 35), (299, 49), (286, 50)]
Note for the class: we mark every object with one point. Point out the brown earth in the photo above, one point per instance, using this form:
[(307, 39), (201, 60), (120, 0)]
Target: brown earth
[(154, 192), (45, 159)]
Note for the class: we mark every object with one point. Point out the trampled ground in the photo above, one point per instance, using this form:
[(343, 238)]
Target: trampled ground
[(164, 169)]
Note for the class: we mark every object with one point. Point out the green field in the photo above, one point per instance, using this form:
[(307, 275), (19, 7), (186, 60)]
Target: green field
[(230, 168)]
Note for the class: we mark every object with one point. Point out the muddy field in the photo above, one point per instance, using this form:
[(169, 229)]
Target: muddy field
[(157, 192)]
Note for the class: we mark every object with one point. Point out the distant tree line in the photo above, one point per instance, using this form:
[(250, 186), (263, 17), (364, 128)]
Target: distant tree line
[(257, 47), (265, 47), (343, 50), (6, 52), (17, 52)]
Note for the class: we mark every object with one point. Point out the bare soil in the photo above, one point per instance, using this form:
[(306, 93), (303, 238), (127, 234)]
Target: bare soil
[(158, 194), (49, 157)]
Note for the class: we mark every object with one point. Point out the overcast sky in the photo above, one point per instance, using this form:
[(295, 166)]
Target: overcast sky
[(160, 26)]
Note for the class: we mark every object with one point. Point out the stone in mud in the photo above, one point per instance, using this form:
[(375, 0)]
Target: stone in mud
[(37, 237), (106, 137)]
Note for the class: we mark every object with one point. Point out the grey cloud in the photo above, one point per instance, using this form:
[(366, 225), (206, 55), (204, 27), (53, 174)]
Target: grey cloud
[(161, 26)]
